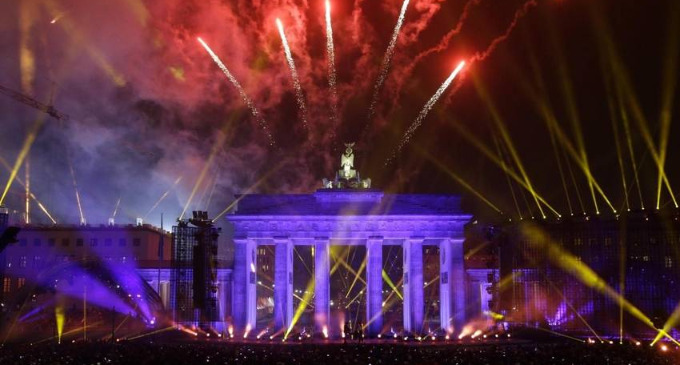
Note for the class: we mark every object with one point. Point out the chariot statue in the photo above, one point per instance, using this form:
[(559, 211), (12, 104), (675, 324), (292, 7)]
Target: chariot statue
[(347, 177)]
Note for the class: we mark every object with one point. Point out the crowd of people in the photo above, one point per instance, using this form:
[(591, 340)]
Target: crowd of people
[(147, 352)]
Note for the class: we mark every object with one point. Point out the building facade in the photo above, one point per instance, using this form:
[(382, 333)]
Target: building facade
[(590, 274), (144, 249)]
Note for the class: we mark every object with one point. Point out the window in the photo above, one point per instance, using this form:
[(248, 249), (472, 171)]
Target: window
[(122, 242), (6, 285), (108, 242), (93, 242), (21, 282), (36, 242), (136, 242), (22, 242), (51, 242), (578, 242), (22, 261), (79, 241), (607, 241), (37, 262), (123, 259), (65, 242), (668, 262)]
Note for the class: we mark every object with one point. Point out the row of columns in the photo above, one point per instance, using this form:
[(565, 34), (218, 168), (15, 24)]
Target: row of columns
[(451, 293)]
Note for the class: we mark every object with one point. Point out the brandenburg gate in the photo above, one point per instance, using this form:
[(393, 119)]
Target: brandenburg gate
[(348, 212)]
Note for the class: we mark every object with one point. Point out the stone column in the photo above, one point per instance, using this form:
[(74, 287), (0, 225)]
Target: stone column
[(322, 286), (283, 282), (244, 307), (445, 302), (413, 284), (458, 283), (374, 286)]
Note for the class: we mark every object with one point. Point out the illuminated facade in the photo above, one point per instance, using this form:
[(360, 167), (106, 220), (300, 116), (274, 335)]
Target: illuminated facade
[(40, 248), (352, 217), (636, 254)]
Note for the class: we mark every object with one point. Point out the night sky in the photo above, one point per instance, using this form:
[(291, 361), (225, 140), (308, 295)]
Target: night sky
[(147, 105)]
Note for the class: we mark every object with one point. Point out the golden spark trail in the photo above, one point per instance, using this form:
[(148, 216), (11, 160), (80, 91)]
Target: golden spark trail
[(330, 51), (385, 66), (253, 110), (294, 74), (426, 109), (159, 200)]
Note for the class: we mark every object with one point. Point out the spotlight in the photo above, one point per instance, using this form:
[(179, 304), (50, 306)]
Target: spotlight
[(447, 337), (379, 335), (664, 348)]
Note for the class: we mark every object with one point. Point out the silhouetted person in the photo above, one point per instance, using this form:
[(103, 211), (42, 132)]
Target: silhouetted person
[(359, 332), (348, 331)]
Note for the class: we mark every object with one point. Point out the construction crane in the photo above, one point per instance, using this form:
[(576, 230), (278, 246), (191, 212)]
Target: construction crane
[(49, 109)]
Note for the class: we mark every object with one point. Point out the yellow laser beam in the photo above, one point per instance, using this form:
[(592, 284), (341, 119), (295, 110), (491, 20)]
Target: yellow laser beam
[(669, 85), (389, 282), (163, 196), (505, 134), (78, 37), (492, 156), (625, 88), (507, 178), (59, 317), (458, 179), (309, 292), (35, 199), (25, 148), (357, 276), (248, 191)]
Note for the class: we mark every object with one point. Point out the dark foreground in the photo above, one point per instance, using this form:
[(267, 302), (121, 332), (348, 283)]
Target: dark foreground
[(329, 354)]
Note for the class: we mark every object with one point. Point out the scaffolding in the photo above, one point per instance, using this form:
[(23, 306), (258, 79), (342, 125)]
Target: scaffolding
[(194, 270)]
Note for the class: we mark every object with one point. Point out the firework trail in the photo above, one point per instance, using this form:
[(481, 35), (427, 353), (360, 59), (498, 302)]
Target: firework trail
[(385, 66), (481, 56), (330, 51), (162, 197), (253, 110), (293, 72), (426, 109), (443, 44)]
